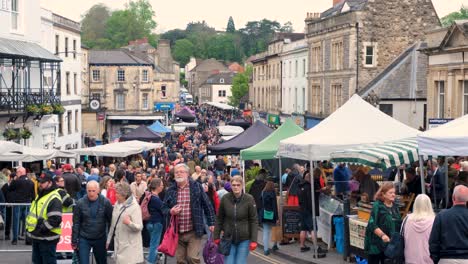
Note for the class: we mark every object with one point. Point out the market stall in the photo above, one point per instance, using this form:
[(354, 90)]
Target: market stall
[(157, 127), (185, 115), (221, 106), (119, 149), (27, 154), (7, 146), (355, 123), (230, 130), (142, 133)]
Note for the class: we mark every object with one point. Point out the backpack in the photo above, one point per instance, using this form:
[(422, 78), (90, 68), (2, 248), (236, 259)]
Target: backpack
[(145, 214)]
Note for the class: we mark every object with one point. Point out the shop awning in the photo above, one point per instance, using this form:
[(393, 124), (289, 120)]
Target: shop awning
[(10, 48), (119, 149), (384, 156), (28, 154)]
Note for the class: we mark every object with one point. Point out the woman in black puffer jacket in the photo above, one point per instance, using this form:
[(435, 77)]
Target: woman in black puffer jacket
[(269, 214)]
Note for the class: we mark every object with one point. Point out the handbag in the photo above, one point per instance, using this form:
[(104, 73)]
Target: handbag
[(396, 247), (210, 253), (267, 215), (225, 246), (171, 238)]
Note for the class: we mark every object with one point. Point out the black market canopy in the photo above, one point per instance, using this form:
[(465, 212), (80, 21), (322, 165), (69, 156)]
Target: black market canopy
[(250, 137), (239, 122), (142, 133), (185, 115)]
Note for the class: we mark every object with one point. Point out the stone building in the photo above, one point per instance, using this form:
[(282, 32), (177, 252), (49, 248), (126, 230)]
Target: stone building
[(268, 71), (217, 88), (201, 72), (355, 40), (447, 79)]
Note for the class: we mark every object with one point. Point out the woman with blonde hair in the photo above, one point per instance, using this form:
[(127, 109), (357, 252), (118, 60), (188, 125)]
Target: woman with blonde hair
[(417, 229)]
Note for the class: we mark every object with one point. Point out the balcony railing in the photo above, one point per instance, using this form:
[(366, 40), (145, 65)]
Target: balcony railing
[(16, 101)]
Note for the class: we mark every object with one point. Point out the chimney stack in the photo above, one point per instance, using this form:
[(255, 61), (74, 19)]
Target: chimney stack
[(335, 2)]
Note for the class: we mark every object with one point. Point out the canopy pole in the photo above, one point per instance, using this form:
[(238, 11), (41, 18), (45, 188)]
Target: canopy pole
[(421, 174), (280, 192), (243, 173), (314, 220), (446, 182)]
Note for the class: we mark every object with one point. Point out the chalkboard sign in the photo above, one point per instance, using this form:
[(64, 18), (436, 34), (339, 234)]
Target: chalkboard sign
[(291, 221)]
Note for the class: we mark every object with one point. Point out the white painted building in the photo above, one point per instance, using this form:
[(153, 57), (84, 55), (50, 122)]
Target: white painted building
[(23, 64), (217, 88), (294, 78)]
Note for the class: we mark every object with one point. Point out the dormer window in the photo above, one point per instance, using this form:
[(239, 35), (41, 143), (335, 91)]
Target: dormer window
[(221, 80)]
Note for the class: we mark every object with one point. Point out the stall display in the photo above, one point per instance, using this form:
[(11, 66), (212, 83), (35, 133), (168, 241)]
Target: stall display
[(291, 221), (329, 207)]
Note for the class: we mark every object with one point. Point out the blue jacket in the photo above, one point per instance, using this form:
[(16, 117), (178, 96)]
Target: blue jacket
[(199, 203)]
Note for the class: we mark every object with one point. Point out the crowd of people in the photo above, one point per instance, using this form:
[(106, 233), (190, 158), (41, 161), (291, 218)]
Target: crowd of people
[(124, 205)]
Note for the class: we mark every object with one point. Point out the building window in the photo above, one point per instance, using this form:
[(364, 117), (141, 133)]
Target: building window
[(335, 97), (120, 101), (120, 75), (4, 4), (61, 118), (96, 75), (15, 15), (290, 69), (303, 67), (465, 97), (222, 93), (221, 80), (74, 49), (96, 96), (387, 108), (369, 56), (316, 99), (255, 74), (163, 91), (337, 55), (77, 121), (296, 68), (274, 71), (145, 101), (145, 77), (440, 86), (69, 122), (75, 84), (317, 58), (303, 99), (66, 47), (67, 82), (57, 45)]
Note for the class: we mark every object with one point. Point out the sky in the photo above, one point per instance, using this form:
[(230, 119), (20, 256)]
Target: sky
[(178, 13)]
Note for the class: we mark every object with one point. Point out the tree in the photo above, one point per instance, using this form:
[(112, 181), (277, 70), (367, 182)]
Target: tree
[(183, 81), (257, 34), (182, 51), (450, 18), (287, 27), (240, 86), (231, 28), (174, 35), (93, 24), (135, 22)]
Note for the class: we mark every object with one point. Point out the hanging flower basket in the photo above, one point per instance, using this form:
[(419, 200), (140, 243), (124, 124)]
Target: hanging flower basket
[(46, 109), (10, 134), (58, 109), (25, 133), (33, 109)]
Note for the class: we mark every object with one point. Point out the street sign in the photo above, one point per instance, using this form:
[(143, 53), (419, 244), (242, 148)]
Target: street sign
[(435, 122), (164, 106), (64, 244)]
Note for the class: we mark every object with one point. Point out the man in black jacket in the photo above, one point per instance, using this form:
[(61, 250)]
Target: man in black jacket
[(21, 190), (448, 242), (91, 215)]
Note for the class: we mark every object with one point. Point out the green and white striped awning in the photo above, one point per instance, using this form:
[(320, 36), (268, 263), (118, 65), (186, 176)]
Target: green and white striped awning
[(385, 155)]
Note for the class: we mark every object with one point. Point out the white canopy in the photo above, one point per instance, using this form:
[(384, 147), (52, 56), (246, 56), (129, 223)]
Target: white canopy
[(355, 123), (183, 124), (226, 138), (230, 130), (7, 146), (119, 149), (28, 154), (221, 106), (449, 139)]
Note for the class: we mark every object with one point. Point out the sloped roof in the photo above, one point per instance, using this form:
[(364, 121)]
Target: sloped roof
[(206, 63), (291, 36), (354, 5), (142, 133), (216, 78), (236, 67), (23, 49), (404, 78), (115, 57)]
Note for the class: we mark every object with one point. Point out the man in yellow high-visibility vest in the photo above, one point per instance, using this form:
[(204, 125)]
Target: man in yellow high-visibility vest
[(43, 221)]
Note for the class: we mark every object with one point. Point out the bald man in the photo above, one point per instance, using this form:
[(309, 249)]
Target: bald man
[(448, 242), (21, 190)]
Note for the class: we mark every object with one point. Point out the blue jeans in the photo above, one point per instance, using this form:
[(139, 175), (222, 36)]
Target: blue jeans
[(266, 236), (99, 250), (238, 254), (155, 230), (19, 215), (43, 252)]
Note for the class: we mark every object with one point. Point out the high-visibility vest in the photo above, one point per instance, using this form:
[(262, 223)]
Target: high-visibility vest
[(39, 210), (64, 208)]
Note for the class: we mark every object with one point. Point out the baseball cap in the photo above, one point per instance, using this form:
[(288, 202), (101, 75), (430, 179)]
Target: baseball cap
[(67, 167), (44, 177)]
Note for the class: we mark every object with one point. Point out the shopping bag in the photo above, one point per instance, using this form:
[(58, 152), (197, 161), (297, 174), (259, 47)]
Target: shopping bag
[(210, 253), (171, 238)]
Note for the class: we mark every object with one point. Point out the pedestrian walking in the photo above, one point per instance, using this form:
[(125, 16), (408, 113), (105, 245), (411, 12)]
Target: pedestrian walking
[(187, 200), (237, 219), (126, 227), (91, 216), (156, 222), (417, 229), (43, 221), (385, 219), (269, 215), (448, 242)]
